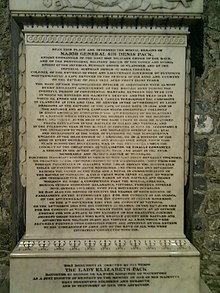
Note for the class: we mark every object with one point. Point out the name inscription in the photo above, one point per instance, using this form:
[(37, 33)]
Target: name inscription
[(104, 144), (105, 275)]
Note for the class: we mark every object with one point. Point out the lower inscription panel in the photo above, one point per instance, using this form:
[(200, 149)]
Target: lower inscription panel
[(57, 274)]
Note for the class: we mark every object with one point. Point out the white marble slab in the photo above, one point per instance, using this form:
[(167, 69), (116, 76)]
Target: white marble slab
[(105, 135), (108, 247), (170, 271)]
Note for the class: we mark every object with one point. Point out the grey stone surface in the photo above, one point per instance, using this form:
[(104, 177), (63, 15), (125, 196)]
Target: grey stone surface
[(197, 201), (4, 283), (197, 223), (200, 183), (204, 288), (200, 147), (214, 146), (4, 287), (199, 166), (212, 204), (4, 271), (207, 151), (5, 146)]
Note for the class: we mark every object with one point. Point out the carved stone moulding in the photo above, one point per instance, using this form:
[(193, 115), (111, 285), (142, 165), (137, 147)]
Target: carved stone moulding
[(162, 40), (110, 12), (112, 246)]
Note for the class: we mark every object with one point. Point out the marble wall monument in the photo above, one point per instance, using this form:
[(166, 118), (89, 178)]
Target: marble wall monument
[(104, 98)]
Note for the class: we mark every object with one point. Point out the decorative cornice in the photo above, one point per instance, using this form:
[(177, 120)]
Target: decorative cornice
[(110, 245)]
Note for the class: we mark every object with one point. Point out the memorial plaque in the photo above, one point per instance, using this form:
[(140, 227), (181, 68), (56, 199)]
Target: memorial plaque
[(128, 274), (104, 93), (104, 153), (106, 265)]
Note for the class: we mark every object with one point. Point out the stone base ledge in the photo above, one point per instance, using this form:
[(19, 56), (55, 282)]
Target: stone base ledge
[(97, 247), (61, 271)]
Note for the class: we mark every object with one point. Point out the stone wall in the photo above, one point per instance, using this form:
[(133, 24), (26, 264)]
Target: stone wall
[(206, 221), (6, 238), (206, 214)]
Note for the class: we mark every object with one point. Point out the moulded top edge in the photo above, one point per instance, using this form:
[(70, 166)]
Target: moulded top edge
[(29, 29), (25, 254)]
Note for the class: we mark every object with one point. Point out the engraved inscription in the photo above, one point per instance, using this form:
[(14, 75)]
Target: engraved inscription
[(104, 145), (105, 275)]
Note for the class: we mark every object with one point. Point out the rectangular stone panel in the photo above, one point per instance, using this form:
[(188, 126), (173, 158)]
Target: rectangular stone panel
[(105, 135), (185, 7), (164, 272)]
